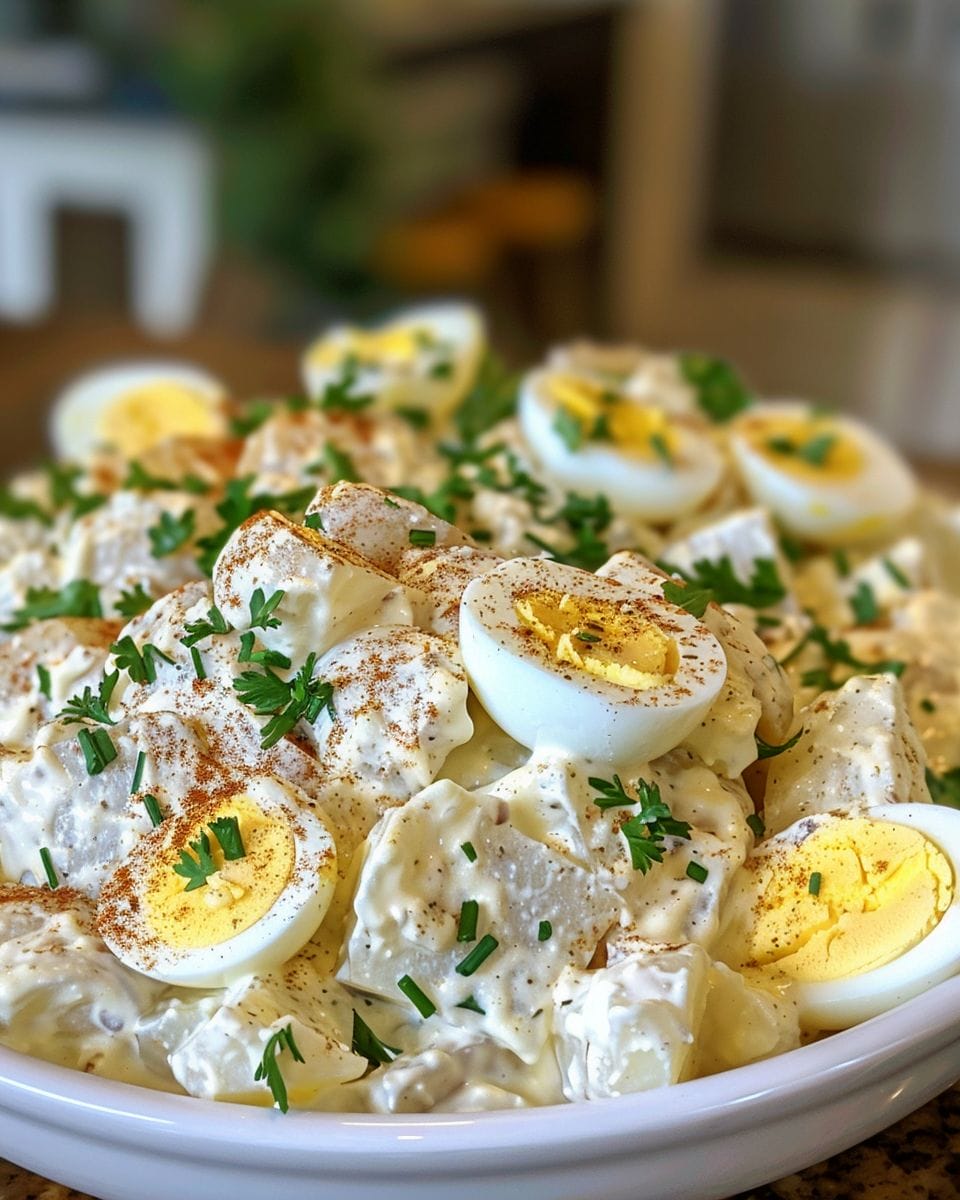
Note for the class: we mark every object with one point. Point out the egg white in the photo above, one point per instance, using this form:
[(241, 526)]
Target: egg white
[(396, 382), (840, 1003), (650, 489), (826, 509), (541, 702), (270, 941), (78, 411)]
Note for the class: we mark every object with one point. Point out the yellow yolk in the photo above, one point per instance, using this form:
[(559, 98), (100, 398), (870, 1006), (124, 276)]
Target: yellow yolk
[(806, 447), (400, 343), (598, 637), (882, 888), (237, 895), (634, 428), (140, 418)]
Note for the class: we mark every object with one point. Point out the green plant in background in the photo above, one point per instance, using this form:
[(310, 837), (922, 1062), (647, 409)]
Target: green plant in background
[(290, 95)]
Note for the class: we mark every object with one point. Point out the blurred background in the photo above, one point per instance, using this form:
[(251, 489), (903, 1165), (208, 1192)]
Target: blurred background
[(775, 182)]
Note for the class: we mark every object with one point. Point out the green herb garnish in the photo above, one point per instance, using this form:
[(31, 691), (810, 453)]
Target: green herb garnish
[(477, 956), (898, 577), (423, 537), (269, 1068), (80, 598), (568, 429), (945, 788), (152, 805), (468, 852), (98, 749), (140, 665), (612, 793), (645, 831), (863, 602), (417, 997), (227, 832), (214, 623), (756, 825), (366, 1043), (261, 610), (43, 681), (766, 750), (134, 602), (697, 872), (303, 697), (90, 707), (813, 887), (467, 927), (52, 880), (544, 931), (170, 533), (471, 1005), (198, 668), (764, 588), (138, 772), (195, 870), (720, 392)]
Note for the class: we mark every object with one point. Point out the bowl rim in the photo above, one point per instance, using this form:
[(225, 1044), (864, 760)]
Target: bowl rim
[(129, 1114)]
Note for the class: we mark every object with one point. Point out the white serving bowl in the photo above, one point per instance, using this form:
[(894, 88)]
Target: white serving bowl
[(696, 1141)]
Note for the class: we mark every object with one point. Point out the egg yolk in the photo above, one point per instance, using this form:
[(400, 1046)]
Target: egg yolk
[(878, 889), (400, 344), (236, 895), (807, 447), (140, 418), (598, 637), (605, 415)]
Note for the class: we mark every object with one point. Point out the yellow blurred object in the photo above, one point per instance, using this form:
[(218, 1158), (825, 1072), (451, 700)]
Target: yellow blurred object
[(445, 250), (537, 210)]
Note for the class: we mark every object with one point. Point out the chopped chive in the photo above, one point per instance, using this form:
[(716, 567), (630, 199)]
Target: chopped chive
[(467, 929), (423, 537), (152, 805), (928, 706), (43, 675), (481, 535), (421, 1002), (764, 621), (52, 880), (841, 562), (583, 636), (863, 602), (471, 1005), (366, 1043), (477, 956), (756, 825), (227, 832), (138, 772), (469, 852), (697, 872), (544, 931), (98, 749), (659, 446), (315, 522), (390, 503), (896, 574), (568, 429), (814, 886), (198, 663)]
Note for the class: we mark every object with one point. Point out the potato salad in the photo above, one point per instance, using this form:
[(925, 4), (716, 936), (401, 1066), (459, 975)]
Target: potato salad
[(444, 739)]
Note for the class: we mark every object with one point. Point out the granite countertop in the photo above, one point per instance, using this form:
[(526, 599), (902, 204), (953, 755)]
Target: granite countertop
[(916, 1159)]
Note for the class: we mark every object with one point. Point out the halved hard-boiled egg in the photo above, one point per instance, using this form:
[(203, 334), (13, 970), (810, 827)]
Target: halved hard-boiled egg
[(133, 406), (589, 434), (850, 914), (232, 885), (825, 477), (424, 358), (560, 657)]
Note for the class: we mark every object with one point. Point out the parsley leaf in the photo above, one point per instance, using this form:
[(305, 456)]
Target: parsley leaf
[(764, 589), (253, 416), (269, 1068), (339, 394), (196, 869), (236, 506), (171, 532), (80, 598), (261, 609), (645, 831), (837, 652), (19, 509), (491, 398), (303, 697), (720, 392), (90, 707), (612, 793), (214, 623), (686, 596), (140, 665), (134, 602), (266, 658), (62, 479)]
